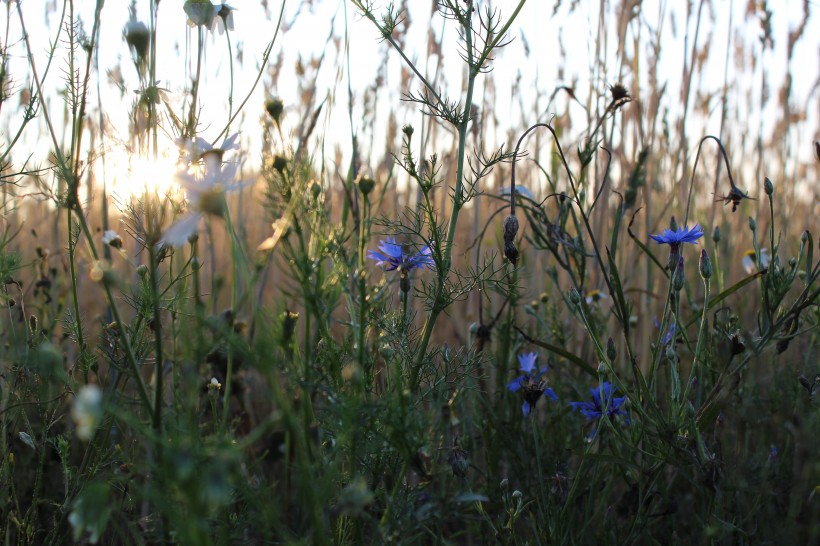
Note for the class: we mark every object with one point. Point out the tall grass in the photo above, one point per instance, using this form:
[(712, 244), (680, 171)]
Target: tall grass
[(492, 332)]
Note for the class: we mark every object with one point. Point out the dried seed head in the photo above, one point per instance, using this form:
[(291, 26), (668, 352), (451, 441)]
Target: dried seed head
[(274, 108), (618, 92)]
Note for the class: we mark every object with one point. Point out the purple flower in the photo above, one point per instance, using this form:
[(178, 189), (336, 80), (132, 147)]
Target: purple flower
[(598, 407), (531, 383), (391, 255), (679, 236)]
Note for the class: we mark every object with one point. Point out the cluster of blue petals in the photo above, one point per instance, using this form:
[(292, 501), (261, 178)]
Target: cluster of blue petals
[(391, 255)]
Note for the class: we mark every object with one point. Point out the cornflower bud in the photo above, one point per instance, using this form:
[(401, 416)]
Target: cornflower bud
[(705, 265), (768, 187), (366, 185), (678, 276), (611, 350)]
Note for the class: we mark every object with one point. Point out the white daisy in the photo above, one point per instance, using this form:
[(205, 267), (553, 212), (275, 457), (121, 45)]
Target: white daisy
[(594, 296), (749, 260), (205, 196)]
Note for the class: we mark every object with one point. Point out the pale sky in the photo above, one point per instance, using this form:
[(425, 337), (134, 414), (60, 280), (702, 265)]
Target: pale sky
[(309, 27)]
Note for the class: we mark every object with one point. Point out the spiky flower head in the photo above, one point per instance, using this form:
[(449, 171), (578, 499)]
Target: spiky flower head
[(531, 383)]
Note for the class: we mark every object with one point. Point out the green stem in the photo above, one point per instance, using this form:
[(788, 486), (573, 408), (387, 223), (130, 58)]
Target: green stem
[(153, 272), (701, 336)]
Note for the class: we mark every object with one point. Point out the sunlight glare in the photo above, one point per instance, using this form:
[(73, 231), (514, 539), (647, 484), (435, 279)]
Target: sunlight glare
[(138, 175)]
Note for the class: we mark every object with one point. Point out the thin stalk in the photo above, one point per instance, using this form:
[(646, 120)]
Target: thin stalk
[(701, 336), (72, 247), (154, 272)]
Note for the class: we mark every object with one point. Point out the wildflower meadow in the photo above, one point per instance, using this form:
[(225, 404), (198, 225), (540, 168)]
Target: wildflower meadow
[(445, 272)]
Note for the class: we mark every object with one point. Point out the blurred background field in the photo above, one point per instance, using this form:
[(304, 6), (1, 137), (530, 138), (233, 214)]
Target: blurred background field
[(321, 102)]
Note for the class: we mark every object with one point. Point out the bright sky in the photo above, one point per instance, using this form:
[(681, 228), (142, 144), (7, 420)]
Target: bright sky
[(309, 26)]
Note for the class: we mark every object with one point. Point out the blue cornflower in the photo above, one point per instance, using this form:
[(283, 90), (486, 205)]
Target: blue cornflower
[(392, 256), (680, 235), (597, 408), (531, 383)]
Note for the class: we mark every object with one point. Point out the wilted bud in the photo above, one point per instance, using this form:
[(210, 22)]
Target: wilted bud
[(752, 224), (459, 462), (407, 130), (716, 235), (611, 350), (618, 92), (274, 108), (705, 265), (574, 296), (678, 277), (280, 163), (366, 185), (510, 231), (768, 187)]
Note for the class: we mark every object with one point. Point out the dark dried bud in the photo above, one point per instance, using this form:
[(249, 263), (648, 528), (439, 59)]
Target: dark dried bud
[(574, 296), (459, 462), (407, 130), (618, 92), (280, 163), (716, 235), (510, 231), (768, 187), (752, 224), (817, 150), (274, 108)]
